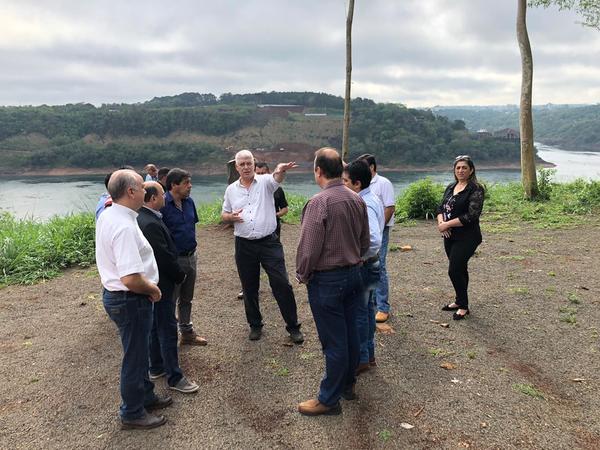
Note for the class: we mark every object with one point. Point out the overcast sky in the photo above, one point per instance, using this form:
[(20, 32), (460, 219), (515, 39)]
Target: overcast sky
[(417, 52)]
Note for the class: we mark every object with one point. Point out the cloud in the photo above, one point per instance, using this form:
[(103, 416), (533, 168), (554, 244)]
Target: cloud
[(414, 52)]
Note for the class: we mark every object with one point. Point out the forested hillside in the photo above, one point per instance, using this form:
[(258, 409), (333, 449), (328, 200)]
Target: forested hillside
[(569, 126), (205, 131)]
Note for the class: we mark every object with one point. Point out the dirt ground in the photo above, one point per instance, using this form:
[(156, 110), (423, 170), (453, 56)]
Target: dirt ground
[(521, 371)]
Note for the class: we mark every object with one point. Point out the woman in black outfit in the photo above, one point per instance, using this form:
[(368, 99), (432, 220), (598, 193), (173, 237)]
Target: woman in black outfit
[(458, 222)]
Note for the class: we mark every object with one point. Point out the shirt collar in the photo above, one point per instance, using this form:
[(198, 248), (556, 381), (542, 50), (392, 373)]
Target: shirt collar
[(238, 182), (125, 210), (365, 192), (157, 213), (334, 183)]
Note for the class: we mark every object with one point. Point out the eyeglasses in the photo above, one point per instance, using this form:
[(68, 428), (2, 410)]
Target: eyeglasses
[(462, 158)]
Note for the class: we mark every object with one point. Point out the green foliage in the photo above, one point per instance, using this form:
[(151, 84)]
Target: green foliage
[(528, 389), (295, 205), (31, 251), (420, 200), (545, 183), (210, 213)]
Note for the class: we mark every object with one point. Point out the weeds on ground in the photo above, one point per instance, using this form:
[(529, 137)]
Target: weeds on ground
[(31, 251), (384, 435), (528, 389)]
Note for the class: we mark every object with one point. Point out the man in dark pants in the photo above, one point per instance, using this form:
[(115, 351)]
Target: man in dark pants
[(129, 275), (249, 205), (333, 238), (281, 205), (180, 217), (163, 340)]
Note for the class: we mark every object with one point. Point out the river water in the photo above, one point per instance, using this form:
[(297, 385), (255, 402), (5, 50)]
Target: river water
[(41, 197)]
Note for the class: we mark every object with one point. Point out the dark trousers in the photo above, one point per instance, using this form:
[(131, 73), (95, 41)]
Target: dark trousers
[(334, 297), (132, 313), (366, 310), (268, 252), (163, 338), (459, 252)]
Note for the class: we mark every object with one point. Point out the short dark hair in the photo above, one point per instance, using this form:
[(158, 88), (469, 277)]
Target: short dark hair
[(261, 165), (330, 162), (150, 191), (358, 170), (107, 179), (176, 176), (162, 172), (370, 160)]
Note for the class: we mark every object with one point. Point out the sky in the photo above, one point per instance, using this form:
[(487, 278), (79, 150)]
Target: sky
[(416, 52)]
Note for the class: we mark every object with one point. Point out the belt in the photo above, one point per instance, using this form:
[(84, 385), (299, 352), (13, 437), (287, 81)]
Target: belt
[(188, 253), (372, 259), (264, 238), (340, 268)]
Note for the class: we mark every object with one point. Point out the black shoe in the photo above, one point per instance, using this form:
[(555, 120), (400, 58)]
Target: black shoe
[(450, 308), (457, 316), (349, 394), (159, 403), (146, 422), (297, 336), (255, 334), (240, 296)]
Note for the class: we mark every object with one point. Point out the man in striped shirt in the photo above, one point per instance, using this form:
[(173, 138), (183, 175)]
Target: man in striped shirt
[(334, 237)]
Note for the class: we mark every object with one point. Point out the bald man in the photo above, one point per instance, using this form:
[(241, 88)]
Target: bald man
[(129, 275)]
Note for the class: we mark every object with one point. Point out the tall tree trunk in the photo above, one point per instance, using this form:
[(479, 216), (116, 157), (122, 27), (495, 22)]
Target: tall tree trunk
[(528, 175), (346, 127)]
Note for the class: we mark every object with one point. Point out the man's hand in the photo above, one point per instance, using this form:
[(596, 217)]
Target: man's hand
[(236, 215), (281, 169), (156, 295)]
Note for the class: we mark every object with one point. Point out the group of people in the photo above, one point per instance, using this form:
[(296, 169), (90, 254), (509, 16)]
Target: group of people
[(146, 257)]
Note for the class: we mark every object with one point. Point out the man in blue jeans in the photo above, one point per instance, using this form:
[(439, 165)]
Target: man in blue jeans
[(333, 238), (357, 177), (164, 357), (129, 275), (382, 188)]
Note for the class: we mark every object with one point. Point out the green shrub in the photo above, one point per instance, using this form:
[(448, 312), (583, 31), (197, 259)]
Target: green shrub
[(545, 183), (419, 200), (31, 251)]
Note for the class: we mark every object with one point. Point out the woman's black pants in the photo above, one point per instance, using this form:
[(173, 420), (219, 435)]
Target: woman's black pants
[(459, 252)]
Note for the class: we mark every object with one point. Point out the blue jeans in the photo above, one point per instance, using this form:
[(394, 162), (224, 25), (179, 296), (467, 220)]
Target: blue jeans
[(334, 297), (163, 339), (133, 315), (383, 303), (365, 316)]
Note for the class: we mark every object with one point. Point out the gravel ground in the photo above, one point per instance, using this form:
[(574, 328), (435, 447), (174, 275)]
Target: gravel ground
[(520, 372)]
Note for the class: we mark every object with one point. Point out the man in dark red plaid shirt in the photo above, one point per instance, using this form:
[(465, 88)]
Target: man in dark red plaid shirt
[(334, 236)]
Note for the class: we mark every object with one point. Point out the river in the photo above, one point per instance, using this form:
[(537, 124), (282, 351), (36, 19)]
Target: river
[(41, 197)]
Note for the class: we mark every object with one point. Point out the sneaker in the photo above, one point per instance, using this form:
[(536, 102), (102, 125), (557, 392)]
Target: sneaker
[(297, 336), (255, 334), (185, 386), (156, 376), (241, 295)]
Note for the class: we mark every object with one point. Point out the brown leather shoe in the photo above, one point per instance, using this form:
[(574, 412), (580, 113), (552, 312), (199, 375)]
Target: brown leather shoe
[(191, 338), (363, 367), (145, 422), (314, 407), (381, 317)]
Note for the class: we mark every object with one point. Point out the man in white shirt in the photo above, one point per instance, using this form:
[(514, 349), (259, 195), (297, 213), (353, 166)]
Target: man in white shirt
[(382, 188), (129, 275), (249, 205)]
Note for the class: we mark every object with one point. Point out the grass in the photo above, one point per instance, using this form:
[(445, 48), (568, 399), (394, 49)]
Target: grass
[(384, 435), (573, 298), (528, 389), (31, 251)]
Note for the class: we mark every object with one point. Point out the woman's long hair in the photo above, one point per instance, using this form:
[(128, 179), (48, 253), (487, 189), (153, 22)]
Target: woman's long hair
[(473, 176)]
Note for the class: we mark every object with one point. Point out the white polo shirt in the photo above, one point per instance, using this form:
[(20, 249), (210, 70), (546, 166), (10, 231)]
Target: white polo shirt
[(383, 188), (257, 204), (122, 249)]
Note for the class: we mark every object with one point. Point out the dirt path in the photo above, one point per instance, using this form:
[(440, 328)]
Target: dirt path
[(60, 357)]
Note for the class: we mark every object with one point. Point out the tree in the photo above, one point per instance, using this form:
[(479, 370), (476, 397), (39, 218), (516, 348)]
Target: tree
[(589, 10), (528, 174), (346, 126)]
